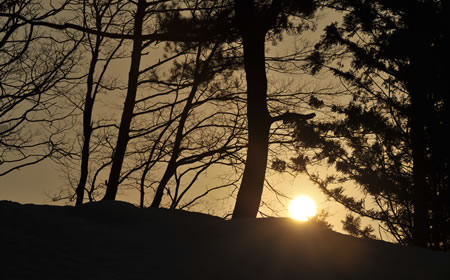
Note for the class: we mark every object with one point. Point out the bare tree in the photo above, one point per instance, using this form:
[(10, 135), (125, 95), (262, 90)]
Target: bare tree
[(189, 123), (196, 119), (104, 16), (33, 66)]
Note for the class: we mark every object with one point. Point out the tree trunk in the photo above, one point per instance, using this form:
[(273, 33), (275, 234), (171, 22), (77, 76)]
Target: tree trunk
[(87, 124), (172, 165), (127, 114), (87, 131), (418, 92), (253, 37), (420, 223)]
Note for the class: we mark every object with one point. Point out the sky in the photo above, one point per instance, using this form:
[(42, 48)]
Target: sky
[(116, 240), (32, 184)]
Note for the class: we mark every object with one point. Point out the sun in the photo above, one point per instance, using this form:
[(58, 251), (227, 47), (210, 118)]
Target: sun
[(302, 208)]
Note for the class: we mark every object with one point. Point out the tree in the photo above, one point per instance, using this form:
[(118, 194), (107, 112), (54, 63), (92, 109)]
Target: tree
[(183, 123), (130, 99), (212, 27), (34, 67), (202, 73), (97, 34), (258, 130), (139, 43), (264, 17), (387, 139), (352, 225), (104, 15)]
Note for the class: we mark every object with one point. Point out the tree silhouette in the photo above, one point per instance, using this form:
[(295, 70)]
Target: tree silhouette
[(143, 9), (148, 77), (193, 126), (130, 99), (103, 15), (33, 68), (168, 131), (264, 17), (389, 141), (201, 71)]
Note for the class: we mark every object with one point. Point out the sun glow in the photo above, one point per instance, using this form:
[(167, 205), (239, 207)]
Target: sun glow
[(302, 208)]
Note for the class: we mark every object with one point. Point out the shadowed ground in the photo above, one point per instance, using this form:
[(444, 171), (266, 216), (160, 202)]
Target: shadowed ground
[(115, 240)]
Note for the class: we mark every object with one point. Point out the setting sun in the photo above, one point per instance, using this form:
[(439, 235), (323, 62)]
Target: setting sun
[(302, 208)]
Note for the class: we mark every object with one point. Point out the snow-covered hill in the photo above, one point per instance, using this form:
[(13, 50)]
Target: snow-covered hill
[(116, 240)]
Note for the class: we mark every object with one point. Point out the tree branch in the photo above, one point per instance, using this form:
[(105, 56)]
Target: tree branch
[(292, 117)]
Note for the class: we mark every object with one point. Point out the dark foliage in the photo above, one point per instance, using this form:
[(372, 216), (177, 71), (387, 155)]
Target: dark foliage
[(389, 140), (352, 225)]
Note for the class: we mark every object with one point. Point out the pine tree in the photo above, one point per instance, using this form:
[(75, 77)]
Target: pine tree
[(389, 139)]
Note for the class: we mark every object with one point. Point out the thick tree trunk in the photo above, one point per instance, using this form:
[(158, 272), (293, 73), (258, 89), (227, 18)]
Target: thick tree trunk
[(418, 96), (420, 223), (127, 114), (253, 37)]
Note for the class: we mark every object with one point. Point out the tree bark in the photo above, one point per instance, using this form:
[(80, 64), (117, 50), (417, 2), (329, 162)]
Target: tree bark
[(253, 38), (130, 100)]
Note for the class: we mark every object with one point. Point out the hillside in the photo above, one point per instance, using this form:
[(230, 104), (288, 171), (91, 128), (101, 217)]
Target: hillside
[(116, 240)]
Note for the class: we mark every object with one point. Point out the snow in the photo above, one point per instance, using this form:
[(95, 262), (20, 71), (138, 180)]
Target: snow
[(116, 240)]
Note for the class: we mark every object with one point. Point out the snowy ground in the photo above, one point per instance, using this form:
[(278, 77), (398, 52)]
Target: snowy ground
[(115, 240)]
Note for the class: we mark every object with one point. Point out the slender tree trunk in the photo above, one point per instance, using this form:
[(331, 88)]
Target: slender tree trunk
[(172, 165), (148, 166), (87, 132), (127, 114), (87, 124), (168, 173), (253, 37), (142, 185)]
